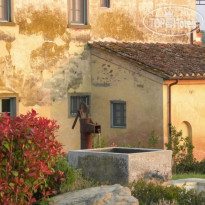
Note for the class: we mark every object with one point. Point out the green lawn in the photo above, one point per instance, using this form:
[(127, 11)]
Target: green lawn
[(186, 176)]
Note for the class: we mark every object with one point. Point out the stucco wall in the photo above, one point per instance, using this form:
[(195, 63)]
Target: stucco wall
[(116, 79), (188, 112), (124, 20), (42, 61)]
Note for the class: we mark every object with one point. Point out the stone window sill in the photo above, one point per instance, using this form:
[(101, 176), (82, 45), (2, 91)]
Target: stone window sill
[(119, 127), (6, 23), (79, 26)]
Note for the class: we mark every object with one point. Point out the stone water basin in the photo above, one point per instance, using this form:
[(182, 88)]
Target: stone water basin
[(119, 165)]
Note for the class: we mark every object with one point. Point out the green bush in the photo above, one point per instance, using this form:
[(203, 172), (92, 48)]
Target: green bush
[(62, 167), (193, 167), (153, 140), (182, 150), (150, 194), (73, 178), (182, 153)]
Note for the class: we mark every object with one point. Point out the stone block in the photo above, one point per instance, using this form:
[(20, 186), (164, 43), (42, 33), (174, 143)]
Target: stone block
[(122, 165)]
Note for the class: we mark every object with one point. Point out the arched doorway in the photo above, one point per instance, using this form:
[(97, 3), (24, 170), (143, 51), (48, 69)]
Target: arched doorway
[(186, 129)]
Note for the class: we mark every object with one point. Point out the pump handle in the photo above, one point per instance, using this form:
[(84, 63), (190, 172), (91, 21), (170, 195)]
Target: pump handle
[(80, 113)]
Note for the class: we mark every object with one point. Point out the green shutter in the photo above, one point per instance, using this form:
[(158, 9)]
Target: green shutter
[(85, 12), (118, 114), (13, 106), (9, 10)]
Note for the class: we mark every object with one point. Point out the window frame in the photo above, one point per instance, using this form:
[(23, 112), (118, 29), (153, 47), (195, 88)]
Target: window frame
[(85, 14), (9, 12), (13, 105), (112, 113), (72, 114), (107, 3)]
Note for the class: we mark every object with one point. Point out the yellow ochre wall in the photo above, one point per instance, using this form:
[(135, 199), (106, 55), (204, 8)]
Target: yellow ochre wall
[(116, 79), (188, 112), (42, 61)]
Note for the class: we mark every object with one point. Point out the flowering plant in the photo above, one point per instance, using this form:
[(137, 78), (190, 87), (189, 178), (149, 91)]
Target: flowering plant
[(28, 154)]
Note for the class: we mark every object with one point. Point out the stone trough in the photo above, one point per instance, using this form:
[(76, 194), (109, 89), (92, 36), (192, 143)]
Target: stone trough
[(119, 165)]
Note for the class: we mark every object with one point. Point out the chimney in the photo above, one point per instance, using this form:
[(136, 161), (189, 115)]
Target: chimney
[(198, 38), (197, 29)]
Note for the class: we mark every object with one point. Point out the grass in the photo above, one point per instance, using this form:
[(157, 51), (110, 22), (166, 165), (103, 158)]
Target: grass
[(187, 175)]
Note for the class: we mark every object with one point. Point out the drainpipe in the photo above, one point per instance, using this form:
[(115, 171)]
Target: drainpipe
[(170, 107)]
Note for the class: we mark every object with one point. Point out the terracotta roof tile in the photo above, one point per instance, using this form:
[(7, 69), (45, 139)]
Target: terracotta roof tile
[(171, 60)]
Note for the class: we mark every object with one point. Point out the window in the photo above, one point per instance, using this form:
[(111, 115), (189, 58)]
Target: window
[(5, 10), (118, 114), (75, 102), (78, 11), (8, 105), (105, 3)]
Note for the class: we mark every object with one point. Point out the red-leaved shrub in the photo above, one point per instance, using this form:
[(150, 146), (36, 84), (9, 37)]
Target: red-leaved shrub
[(28, 154)]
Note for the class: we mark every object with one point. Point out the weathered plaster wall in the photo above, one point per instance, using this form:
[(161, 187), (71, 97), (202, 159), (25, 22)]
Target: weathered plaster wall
[(73, 78), (33, 50), (117, 79), (124, 20), (42, 61), (188, 109)]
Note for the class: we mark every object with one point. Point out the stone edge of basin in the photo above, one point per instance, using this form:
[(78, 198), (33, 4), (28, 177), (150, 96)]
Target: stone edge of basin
[(100, 150), (134, 161)]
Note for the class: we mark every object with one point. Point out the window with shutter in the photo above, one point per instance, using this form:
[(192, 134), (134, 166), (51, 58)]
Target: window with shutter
[(8, 105), (78, 11), (118, 114), (105, 3), (5, 10)]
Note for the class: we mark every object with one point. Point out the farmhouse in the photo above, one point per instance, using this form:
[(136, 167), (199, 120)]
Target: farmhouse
[(137, 88), (46, 64)]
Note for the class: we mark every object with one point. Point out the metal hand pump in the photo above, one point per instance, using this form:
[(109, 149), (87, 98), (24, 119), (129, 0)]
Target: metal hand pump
[(87, 127)]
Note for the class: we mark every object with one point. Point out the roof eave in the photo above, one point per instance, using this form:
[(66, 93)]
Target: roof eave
[(187, 78), (142, 66)]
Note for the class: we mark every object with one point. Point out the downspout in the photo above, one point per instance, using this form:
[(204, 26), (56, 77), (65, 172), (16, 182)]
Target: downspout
[(170, 107)]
